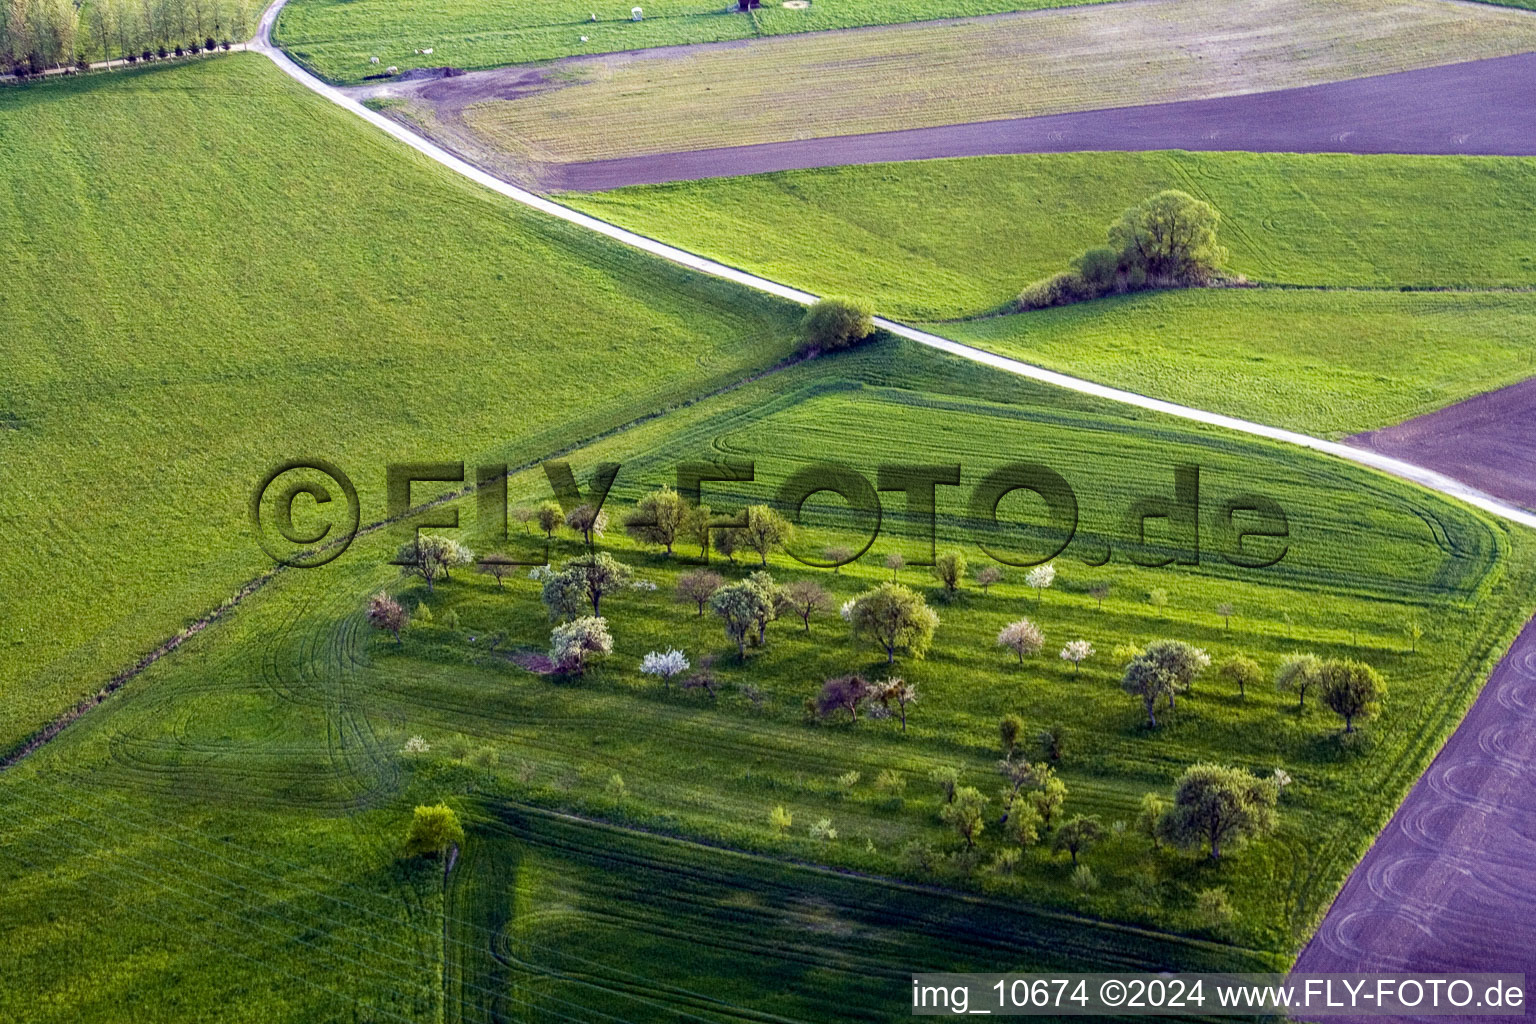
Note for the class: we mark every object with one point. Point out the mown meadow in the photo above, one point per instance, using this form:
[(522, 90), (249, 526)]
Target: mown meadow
[(1335, 339), (308, 288), (230, 823)]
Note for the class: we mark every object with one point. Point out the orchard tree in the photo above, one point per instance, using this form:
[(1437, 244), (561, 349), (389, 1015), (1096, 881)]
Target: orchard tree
[(1414, 631), (899, 692), (596, 575), (987, 576), (1021, 637), (765, 531), (664, 665), (1009, 729), (1149, 817), (839, 555), (573, 644), (1150, 682), (1040, 579), (695, 527), (1183, 663), (728, 541), (1242, 672), (843, 693), (894, 617), (525, 515), (434, 831), (1217, 806), (498, 568), (1077, 834), (949, 570), (805, 598), (895, 562), (385, 613), (549, 517), (965, 814), (1298, 674), (587, 521), (740, 605), (1052, 740), (1099, 591), (426, 558), (946, 777), (698, 586), (1077, 652), (1351, 690), (658, 518), (1225, 611)]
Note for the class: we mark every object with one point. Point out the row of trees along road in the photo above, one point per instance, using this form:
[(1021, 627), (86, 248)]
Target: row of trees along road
[(40, 34)]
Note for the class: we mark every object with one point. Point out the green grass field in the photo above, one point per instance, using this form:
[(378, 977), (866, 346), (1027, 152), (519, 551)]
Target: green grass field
[(308, 288), (947, 239), (239, 806), (336, 38), (927, 75)]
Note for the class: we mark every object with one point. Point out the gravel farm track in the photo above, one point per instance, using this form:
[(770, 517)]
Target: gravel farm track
[(1483, 107), (1448, 883)]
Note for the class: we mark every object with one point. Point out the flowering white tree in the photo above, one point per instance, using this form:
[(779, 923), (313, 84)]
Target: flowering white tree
[(572, 643), (1041, 577), (1077, 652), (417, 745), (664, 664), (1021, 637), (846, 611)]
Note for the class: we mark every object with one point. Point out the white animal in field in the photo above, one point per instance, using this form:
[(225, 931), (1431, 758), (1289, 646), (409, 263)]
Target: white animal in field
[(427, 51), (373, 60), (583, 38), (391, 70), (636, 14)]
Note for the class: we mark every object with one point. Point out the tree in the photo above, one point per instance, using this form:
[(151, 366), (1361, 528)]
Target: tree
[(592, 576), (525, 515), (588, 521), (728, 541), (899, 692), (698, 586), (740, 605), (1077, 834), (1052, 740), (1099, 591), (949, 569), (428, 557), (1021, 637), (498, 568), (987, 576), (695, 527), (781, 819), (1157, 597), (1170, 239), (664, 665), (765, 531), (894, 617), (1351, 690), (1147, 680), (1040, 579), (658, 518), (1149, 816), (1049, 797), (1009, 728), (704, 679), (964, 814), (804, 598), (573, 644), (947, 777), (1077, 652), (549, 517), (1414, 631), (384, 612), (1225, 611), (839, 555), (774, 600), (1183, 663), (843, 693), (895, 562), (1298, 674), (1216, 805), (1241, 671), (834, 323), (434, 831)]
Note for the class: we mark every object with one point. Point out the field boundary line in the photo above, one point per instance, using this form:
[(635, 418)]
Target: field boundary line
[(1427, 478)]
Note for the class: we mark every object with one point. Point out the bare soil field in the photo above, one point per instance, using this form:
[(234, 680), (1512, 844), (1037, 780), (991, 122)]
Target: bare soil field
[(1447, 885), (525, 122), (1488, 441)]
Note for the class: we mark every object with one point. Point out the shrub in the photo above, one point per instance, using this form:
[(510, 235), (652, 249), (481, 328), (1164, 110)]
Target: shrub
[(1099, 269), (433, 830), (780, 819), (573, 644), (823, 830), (1083, 878), (210, 44), (384, 612), (949, 570), (1059, 289), (1213, 910), (833, 323)]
